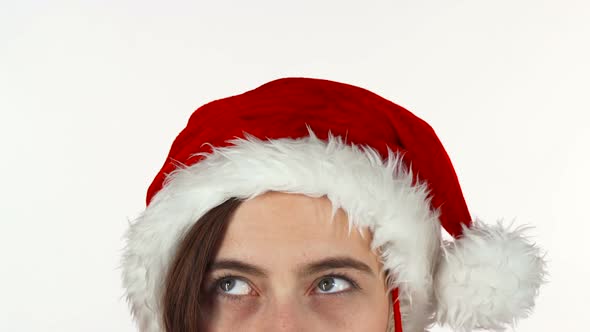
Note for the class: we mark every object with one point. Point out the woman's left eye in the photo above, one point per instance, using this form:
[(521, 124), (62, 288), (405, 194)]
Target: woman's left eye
[(331, 285)]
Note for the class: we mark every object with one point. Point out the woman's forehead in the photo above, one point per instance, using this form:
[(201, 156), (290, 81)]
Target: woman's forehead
[(296, 227)]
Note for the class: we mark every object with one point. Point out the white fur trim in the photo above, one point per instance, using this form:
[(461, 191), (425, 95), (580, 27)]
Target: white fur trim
[(488, 278), (374, 193)]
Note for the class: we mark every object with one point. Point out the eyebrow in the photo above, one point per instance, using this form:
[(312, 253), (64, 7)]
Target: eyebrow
[(330, 263), (236, 265), (341, 262)]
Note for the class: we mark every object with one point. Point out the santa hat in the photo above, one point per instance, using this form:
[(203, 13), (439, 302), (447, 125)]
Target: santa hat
[(382, 165)]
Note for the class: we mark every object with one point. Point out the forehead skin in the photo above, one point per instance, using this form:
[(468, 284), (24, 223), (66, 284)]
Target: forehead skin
[(282, 234), (299, 227)]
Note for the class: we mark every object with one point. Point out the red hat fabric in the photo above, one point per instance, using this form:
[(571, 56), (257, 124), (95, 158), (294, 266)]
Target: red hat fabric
[(382, 165), (287, 107)]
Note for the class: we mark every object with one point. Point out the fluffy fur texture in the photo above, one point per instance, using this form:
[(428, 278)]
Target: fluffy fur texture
[(488, 279), (374, 193)]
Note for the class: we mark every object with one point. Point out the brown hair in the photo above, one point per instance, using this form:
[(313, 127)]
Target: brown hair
[(183, 294)]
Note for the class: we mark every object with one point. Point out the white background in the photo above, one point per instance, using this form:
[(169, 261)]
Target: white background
[(93, 93)]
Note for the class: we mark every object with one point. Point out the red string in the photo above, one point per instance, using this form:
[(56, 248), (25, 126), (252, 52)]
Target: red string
[(397, 316)]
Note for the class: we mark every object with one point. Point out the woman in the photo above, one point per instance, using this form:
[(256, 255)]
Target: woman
[(311, 205)]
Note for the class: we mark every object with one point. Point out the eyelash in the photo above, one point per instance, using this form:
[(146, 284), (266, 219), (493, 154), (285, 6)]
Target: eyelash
[(354, 285), (215, 283), (213, 288)]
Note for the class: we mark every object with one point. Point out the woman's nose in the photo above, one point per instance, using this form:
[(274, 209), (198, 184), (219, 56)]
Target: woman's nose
[(285, 316)]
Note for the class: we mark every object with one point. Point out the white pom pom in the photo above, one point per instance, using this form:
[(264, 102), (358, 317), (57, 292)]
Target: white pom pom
[(489, 278)]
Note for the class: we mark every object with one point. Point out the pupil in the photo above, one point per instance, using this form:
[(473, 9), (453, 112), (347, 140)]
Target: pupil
[(327, 284), (227, 284)]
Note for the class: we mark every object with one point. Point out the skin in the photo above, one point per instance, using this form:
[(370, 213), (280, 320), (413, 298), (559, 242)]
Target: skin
[(283, 266)]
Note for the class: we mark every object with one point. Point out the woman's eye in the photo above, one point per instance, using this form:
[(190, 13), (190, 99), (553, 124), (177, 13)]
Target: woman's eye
[(233, 286), (332, 285)]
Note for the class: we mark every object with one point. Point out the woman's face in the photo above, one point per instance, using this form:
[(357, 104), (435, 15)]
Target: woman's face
[(283, 266)]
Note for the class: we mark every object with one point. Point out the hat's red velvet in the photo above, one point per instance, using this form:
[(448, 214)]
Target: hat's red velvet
[(284, 108)]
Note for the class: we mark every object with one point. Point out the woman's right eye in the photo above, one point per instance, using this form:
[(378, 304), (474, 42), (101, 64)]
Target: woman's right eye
[(233, 286)]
